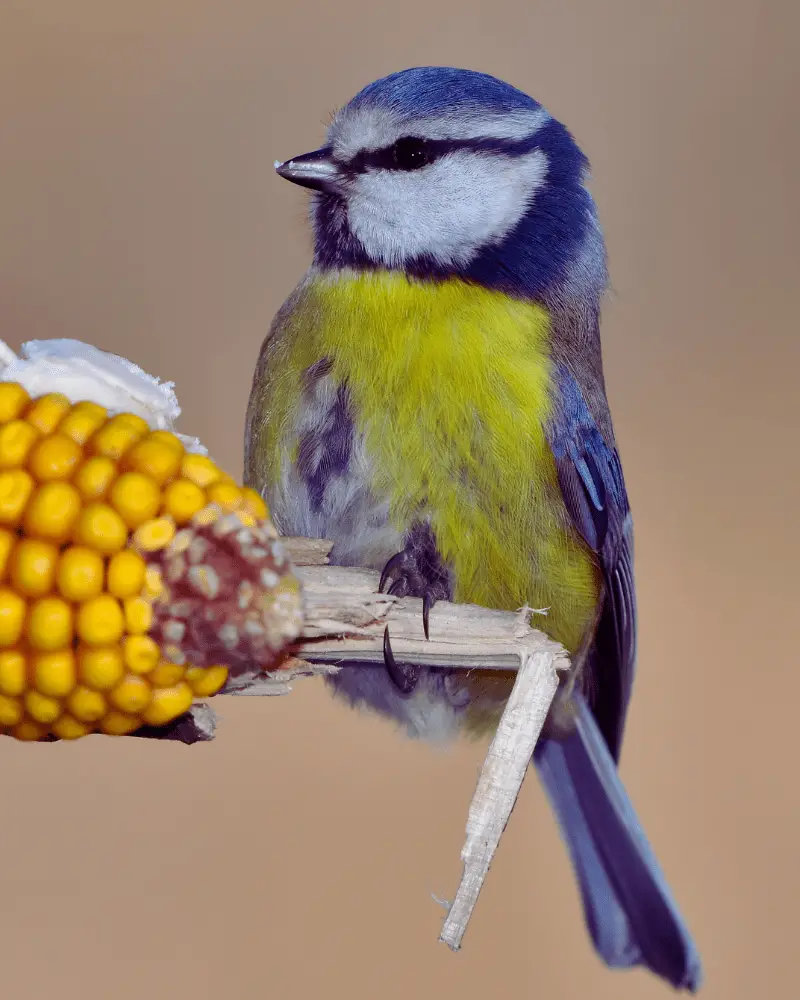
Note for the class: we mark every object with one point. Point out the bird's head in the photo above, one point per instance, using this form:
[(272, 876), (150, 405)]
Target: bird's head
[(441, 172)]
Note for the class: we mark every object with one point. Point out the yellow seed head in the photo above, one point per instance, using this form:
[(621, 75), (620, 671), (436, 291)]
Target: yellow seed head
[(16, 486), (16, 440), (207, 681), (182, 500), (253, 504), (53, 511), (168, 438), (133, 420), (154, 535), (126, 574), (33, 567), (8, 539), (138, 615), (49, 624), (54, 457), (46, 412), (86, 704), (12, 616), (166, 674), (227, 495), (13, 400), (100, 527), (140, 653), (168, 703), (86, 502), (54, 674), (100, 621), (82, 421), (157, 460), (119, 724), (10, 711), (80, 573), (95, 476), (29, 731), (136, 498), (41, 707), (115, 438), (131, 695), (13, 673), (100, 667), (68, 728), (200, 470), (153, 583)]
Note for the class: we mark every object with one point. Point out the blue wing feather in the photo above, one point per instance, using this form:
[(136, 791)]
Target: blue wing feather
[(629, 910), (590, 475)]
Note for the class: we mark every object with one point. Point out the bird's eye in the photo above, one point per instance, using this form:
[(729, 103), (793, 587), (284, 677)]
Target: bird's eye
[(410, 153)]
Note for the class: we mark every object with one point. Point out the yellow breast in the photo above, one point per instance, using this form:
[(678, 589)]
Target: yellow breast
[(450, 388)]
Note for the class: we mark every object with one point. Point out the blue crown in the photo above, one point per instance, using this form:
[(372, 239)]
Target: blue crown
[(436, 90)]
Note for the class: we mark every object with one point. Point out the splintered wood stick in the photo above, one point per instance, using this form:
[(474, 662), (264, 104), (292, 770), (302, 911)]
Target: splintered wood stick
[(345, 618), (500, 781)]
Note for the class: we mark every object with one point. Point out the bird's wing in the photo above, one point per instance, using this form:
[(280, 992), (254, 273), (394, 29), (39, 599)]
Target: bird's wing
[(590, 475)]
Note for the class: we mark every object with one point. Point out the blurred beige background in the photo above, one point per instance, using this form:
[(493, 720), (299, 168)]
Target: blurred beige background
[(296, 855)]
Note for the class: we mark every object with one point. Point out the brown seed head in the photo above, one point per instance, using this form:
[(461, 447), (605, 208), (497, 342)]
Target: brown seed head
[(228, 594)]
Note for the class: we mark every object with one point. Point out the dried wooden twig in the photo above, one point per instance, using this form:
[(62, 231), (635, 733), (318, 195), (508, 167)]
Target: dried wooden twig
[(345, 618), (500, 781)]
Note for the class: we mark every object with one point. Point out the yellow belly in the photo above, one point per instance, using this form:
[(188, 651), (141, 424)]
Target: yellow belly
[(450, 387)]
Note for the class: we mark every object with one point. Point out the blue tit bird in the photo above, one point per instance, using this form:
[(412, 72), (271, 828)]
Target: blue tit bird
[(431, 399)]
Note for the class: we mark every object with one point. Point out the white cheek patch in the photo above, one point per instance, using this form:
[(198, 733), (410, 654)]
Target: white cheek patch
[(352, 132), (449, 210)]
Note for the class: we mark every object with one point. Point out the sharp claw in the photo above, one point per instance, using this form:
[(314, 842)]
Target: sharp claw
[(388, 655), (397, 560), (403, 677), (427, 604), (397, 586)]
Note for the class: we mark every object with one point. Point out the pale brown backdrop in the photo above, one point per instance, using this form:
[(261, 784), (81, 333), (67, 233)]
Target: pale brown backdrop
[(296, 856)]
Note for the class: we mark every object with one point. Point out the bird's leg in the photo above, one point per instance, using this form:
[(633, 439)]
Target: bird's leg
[(416, 571)]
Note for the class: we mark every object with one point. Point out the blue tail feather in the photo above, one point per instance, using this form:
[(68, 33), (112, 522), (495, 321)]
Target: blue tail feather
[(630, 912)]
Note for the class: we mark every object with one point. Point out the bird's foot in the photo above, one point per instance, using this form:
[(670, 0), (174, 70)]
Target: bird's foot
[(414, 572), (405, 580)]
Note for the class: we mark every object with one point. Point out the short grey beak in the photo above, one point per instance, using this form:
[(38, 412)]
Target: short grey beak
[(316, 170)]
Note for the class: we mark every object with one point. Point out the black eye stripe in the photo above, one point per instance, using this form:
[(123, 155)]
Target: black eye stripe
[(410, 153), (386, 158)]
